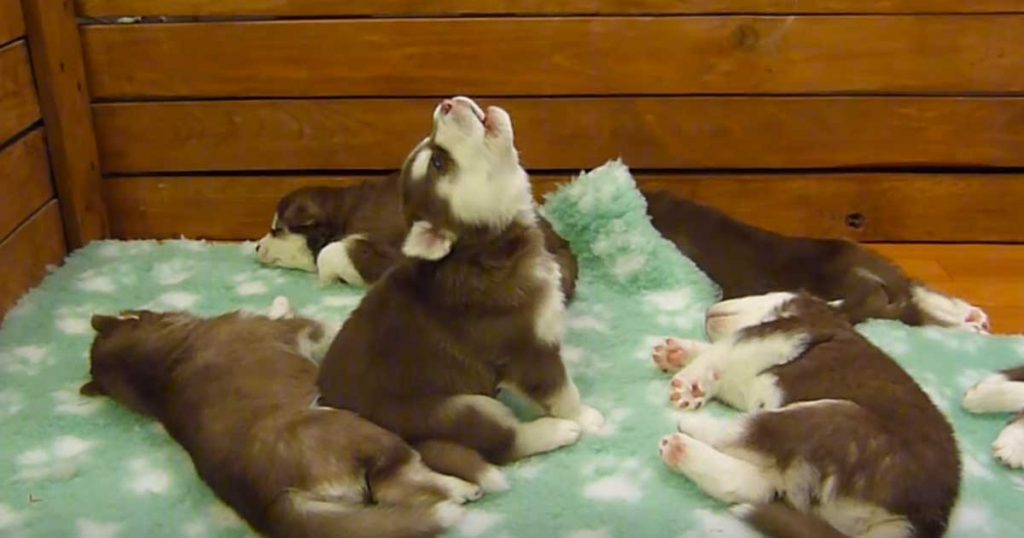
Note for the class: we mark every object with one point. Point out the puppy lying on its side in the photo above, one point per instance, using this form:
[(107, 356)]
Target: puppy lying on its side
[(476, 306), (236, 391), (1002, 393), (745, 260), (841, 441), (354, 234)]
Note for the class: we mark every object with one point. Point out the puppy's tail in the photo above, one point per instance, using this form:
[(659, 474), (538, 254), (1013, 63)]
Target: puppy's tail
[(780, 520), (294, 515)]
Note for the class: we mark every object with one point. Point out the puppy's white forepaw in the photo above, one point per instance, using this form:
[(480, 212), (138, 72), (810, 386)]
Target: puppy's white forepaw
[(952, 312), (492, 480), (673, 450), (460, 491), (590, 419), (333, 263), (281, 308), (1009, 446), (673, 354), (693, 387), (448, 513), (996, 394)]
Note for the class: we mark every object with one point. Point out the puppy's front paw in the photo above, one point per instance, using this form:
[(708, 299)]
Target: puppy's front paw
[(460, 491), (590, 419), (673, 450), (448, 513), (692, 387), (281, 308), (1009, 446), (673, 354)]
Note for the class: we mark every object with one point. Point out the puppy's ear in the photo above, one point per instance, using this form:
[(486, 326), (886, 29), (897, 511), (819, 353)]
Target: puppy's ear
[(427, 242), (104, 324), (91, 388)]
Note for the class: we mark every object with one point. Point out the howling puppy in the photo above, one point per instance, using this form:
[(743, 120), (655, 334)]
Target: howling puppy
[(745, 260), (1002, 393), (841, 441), (237, 391), (475, 307)]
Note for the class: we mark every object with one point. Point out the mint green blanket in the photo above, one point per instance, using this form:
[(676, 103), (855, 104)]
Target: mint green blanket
[(71, 466)]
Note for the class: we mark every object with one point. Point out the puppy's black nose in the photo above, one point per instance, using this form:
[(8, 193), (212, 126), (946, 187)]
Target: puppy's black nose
[(257, 248)]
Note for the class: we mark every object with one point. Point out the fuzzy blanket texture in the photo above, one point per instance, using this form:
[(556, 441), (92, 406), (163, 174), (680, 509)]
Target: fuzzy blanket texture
[(77, 467)]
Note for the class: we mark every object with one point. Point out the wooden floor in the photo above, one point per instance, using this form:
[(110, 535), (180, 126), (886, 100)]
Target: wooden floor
[(989, 276)]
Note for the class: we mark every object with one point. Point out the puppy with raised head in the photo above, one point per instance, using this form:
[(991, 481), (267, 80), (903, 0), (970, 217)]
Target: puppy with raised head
[(745, 261), (475, 307), (840, 440), (237, 392), (354, 234), (1002, 393)]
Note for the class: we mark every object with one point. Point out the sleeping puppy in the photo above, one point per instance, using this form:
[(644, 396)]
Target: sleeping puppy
[(746, 261), (236, 392), (354, 234), (840, 440), (1002, 393), (475, 306)]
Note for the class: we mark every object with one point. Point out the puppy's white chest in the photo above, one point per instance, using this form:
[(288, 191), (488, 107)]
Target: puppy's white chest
[(548, 319)]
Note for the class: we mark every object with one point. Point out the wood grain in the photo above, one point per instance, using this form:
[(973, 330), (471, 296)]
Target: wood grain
[(12, 26), (321, 8), (57, 60), (24, 180), (570, 133), (891, 207), (985, 275), (559, 56), (27, 252), (18, 105)]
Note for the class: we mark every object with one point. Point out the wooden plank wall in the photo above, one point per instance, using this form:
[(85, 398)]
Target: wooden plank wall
[(879, 120), (31, 235)]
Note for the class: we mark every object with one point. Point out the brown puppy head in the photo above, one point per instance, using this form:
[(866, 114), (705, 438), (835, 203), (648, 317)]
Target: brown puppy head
[(130, 353), (303, 224), (464, 179), (729, 317)]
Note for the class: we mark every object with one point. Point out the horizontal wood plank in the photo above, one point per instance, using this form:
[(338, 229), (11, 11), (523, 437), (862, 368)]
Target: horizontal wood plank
[(12, 25), (36, 244), (24, 180), (570, 133), (889, 207), (323, 8), (559, 56), (18, 105)]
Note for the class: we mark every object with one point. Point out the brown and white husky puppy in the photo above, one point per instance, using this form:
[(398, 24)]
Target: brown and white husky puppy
[(840, 440), (1002, 393), (476, 306), (236, 392)]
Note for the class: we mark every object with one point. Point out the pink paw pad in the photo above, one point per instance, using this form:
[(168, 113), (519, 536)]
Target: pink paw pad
[(977, 320), (672, 355), (672, 449), (690, 393)]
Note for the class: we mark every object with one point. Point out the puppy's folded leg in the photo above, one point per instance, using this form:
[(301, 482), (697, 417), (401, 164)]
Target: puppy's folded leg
[(546, 382), (334, 262), (720, 475), (945, 311), (1009, 446)]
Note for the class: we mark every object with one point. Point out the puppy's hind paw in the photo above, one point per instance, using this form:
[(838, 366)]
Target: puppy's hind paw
[(1009, 446)]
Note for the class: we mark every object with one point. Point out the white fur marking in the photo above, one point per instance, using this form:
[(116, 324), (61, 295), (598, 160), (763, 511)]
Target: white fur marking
[(544, 435), (334, 263), (728, 317), (1009, 446), (426, 242), (288, 250), (549, 318), (720, 475), (949, 311), (420, 162), (995, 395)]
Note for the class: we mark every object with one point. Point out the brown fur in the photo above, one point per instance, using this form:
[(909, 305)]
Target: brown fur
[(235, 392), (889, 447), (744, 260), (426, 350), (373, 209)]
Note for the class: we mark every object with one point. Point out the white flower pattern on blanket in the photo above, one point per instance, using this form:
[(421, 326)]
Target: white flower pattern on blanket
[(72, 467)]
